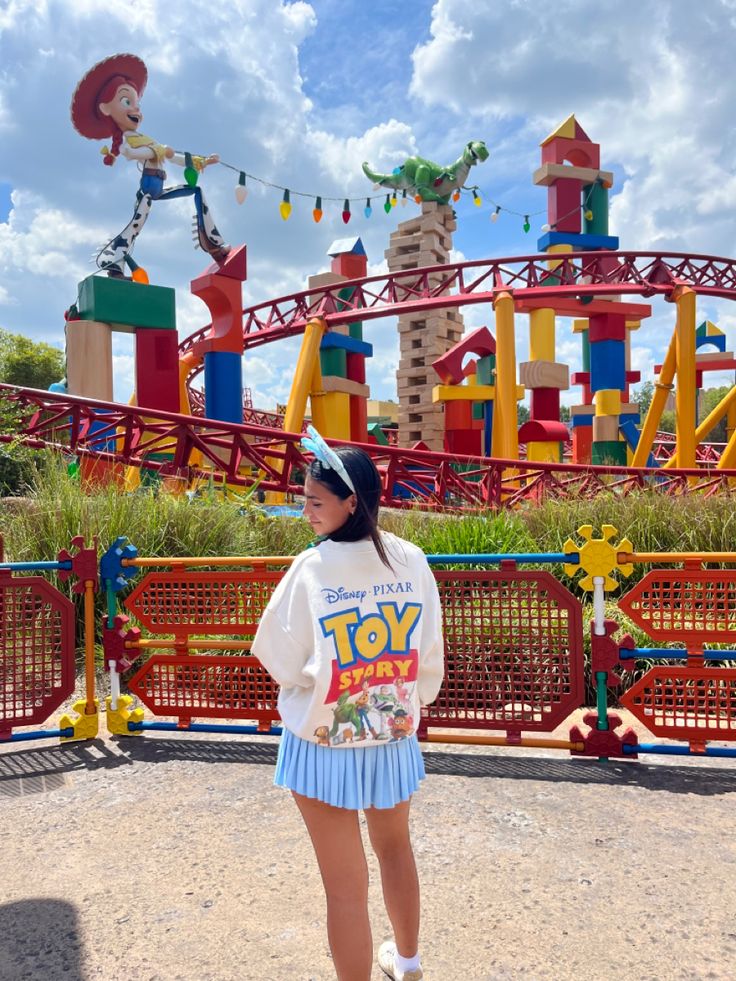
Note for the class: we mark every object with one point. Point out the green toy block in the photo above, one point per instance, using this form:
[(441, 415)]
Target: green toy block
[(125, 304), (608, 453), (333, 362), (479, 410), (486, 367), (376, 431)]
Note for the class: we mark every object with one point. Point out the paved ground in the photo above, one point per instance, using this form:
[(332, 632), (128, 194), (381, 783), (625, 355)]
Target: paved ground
[(174, 859)]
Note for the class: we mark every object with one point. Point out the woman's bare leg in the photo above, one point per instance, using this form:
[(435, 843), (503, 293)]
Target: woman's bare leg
[(335, 834), (389, 834)]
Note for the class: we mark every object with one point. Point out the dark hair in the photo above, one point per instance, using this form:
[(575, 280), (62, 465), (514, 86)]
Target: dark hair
[(363, 522)]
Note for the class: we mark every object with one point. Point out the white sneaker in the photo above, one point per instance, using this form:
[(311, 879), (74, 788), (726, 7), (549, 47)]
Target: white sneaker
[(386, 953)]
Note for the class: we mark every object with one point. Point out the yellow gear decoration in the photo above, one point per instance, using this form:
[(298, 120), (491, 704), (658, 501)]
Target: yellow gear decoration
[(85, 726), (118, 719), (598, 557)]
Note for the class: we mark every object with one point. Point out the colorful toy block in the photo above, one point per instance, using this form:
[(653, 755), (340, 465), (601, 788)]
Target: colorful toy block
[(607, 365), (157, 370), (449, 367), (89, 359), (223, 386), (607, 327), (126, 305), (544, 374), (579, 243)]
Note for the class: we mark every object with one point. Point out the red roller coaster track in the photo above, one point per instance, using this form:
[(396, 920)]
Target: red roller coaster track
[(128, 435)]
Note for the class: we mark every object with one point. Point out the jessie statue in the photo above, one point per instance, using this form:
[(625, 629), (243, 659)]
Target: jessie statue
[(106, 103)]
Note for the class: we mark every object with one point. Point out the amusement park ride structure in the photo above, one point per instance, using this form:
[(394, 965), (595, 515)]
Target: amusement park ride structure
[(578, 273)]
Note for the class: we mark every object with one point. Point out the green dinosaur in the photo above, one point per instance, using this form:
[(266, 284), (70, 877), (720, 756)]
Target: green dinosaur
[(345, 711), (428, 180)]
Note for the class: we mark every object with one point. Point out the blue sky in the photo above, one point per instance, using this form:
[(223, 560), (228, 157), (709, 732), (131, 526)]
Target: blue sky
[(300, 93)]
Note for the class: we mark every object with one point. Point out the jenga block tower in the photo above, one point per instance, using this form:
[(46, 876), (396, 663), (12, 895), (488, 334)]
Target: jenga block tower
[(425, 240)]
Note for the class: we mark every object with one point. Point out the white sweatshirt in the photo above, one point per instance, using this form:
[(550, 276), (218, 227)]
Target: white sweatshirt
[(356, 647)]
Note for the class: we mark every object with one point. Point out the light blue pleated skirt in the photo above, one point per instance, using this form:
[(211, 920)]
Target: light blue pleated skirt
[(354, 777)]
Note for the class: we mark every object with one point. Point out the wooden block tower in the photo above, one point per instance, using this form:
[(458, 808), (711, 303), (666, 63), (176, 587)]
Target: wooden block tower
[(425, 240)]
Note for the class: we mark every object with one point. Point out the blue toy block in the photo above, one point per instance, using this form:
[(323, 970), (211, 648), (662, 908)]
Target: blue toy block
[(607, 366), (576, 421), (632, 435), (346, 343), (579, 243), (223, 386)]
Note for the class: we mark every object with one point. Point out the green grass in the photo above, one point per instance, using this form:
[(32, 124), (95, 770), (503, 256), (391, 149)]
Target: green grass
[(39, 526)]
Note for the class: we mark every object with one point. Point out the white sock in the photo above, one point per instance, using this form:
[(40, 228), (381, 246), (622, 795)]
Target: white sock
[(406, 963)]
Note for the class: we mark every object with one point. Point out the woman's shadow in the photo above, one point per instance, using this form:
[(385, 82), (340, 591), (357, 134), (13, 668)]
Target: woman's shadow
[(40, 939)]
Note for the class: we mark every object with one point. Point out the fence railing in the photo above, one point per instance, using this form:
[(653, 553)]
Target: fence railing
[(515, 644)]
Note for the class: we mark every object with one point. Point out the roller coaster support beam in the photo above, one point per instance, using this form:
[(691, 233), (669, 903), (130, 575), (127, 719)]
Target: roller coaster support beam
[(505, 431), (662, 389)]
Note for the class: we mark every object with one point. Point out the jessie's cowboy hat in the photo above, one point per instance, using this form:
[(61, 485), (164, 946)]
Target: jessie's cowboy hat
[(86, 117)]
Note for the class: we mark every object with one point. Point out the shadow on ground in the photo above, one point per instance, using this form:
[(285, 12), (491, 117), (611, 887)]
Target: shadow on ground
[(46, 768), (40, 938)]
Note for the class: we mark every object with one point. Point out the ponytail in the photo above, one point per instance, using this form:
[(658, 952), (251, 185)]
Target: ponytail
[(110, 153)]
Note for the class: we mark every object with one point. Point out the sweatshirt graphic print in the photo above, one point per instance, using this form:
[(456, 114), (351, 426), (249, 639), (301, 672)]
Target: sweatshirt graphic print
[(356, 647)]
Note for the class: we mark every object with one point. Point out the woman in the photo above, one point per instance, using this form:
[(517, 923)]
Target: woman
[(357, 615)]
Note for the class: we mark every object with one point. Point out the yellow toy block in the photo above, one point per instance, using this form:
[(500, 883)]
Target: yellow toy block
[(597, 557), (84, 726), (543, 452), (608, 402), (337, 415), (117, 719), (579, 326), (468, 393), (542, 335)]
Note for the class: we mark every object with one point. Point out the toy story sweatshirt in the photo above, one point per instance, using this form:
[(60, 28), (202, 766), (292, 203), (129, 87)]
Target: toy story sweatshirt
[(355, 646)]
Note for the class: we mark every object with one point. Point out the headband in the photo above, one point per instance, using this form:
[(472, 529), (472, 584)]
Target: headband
[(313, 443)]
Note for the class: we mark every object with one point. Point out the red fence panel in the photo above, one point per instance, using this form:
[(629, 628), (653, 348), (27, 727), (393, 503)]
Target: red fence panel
[(212, 686), (694, 703), (514, 652), (36, 651)]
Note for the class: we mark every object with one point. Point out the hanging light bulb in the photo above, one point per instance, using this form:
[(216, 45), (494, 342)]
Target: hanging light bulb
[(285, 206), (588, 215), (477, 198), (317, 210), (346, 211), (496, 213), (387, 205), (456, 195), (241, 191), (367, 211), (394, 200), (403, 199), (418, 198), (526, 226), (190, 174), (546, 227)]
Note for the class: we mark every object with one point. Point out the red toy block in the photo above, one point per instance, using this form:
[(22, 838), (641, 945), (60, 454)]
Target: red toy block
[(603, 742), (563, 205), (582, 444), (458, 415), (607, 327), (545, 403), (358, 418), (234, 267), (223, 296), (450, 366), (355, 365), (114, 640), (580, 378), (157, 369), (465, 442), (605, 652), (349, 265), (84, 562), (580, 152), (543, 431)]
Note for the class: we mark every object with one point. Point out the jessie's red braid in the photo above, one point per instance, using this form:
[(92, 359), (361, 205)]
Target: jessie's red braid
[(117, 139)]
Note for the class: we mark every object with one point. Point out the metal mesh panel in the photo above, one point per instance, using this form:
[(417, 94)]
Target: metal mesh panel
[(513, 651), (36, 651), (202, 602), (686, 702), (228, 687), (684, 605)]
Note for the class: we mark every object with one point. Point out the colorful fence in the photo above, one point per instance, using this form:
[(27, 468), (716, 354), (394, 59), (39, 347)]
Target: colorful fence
[(514, 648)]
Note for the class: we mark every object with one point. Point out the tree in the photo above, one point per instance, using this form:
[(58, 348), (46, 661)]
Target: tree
[(27, 363), (643, 396)]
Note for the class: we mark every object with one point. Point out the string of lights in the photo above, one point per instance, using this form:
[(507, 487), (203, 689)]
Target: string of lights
[(392, 198)]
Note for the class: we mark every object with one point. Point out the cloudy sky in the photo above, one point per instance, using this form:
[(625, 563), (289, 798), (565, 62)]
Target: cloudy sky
[(300, 93)]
